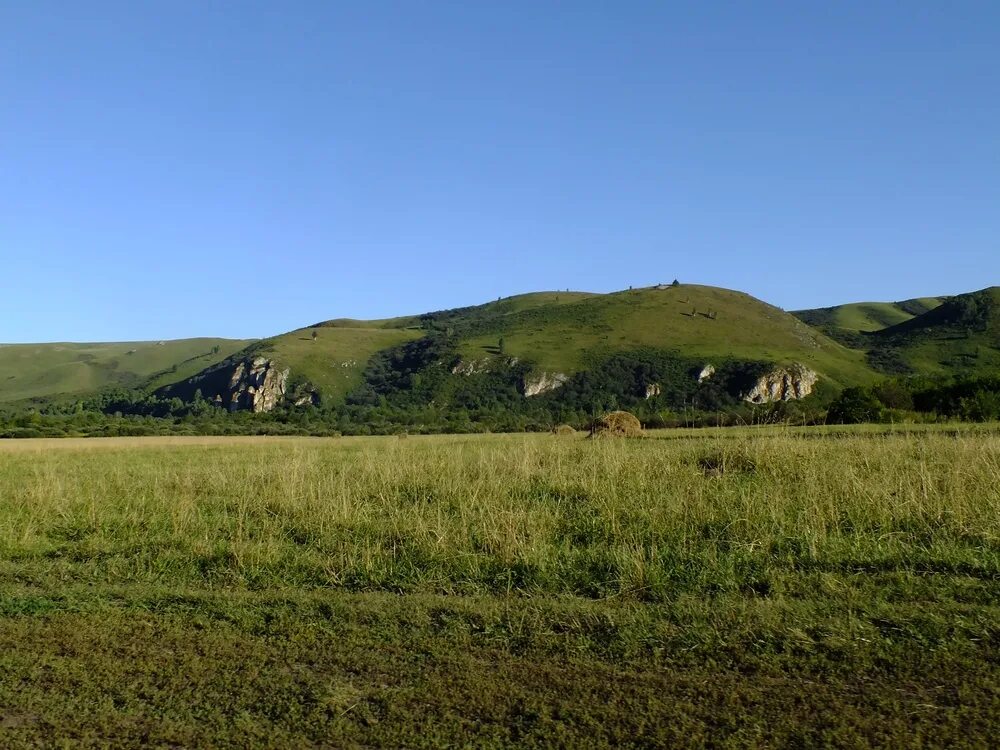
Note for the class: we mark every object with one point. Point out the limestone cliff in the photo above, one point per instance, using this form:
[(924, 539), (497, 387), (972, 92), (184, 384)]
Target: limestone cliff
[(542, 382), (255, 385), (782, 384)]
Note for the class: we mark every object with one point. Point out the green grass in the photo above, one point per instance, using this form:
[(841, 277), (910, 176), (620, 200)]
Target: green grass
[(52, 370), (733, 588), (566, 338), (868, 316), (336, 360), (950, 340)]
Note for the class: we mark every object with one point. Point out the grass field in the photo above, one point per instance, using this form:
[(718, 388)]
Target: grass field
[(712, 588)]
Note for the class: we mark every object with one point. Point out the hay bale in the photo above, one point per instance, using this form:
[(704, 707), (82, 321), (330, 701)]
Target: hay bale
[(563, 430), (617, 424)]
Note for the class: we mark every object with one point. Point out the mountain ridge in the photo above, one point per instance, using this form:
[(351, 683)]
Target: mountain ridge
[(551, 335)]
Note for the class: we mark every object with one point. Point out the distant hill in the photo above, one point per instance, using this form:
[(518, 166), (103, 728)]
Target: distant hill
[(538, 342), (532, 344), (927, 335), (46, 371), (867, 316), (960, 336), (565, 334)]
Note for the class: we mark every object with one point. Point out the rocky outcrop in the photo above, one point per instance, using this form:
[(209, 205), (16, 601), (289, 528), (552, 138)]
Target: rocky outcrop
[(303, 395), (486, 364), (256, 385), (470, 367), (706, 373), (653, 390), (542, 382), (782, 384)]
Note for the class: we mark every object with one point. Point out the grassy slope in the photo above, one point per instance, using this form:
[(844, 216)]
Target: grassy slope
[(500, 591), (558, 331), (561, 339), (335, 361), (48, 370), (868, 316), (941, 341)]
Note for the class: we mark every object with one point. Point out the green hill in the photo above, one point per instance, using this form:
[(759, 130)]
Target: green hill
[(867, 316), (960, 336), (335, 360), (699, 322), (930, 335), (559, 333), (45, 371), (553, 332)]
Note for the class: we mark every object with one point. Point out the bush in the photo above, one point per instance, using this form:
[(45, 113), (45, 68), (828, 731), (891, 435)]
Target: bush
[(854, 406)]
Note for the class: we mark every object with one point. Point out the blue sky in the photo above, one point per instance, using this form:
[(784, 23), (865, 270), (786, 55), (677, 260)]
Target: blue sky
[(241, 168)]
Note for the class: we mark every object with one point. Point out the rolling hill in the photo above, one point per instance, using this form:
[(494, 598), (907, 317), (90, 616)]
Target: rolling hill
[(960, 336), (48, 371), (541, 335), (931, 335), (541, 338), (695, 321), (867, 316)]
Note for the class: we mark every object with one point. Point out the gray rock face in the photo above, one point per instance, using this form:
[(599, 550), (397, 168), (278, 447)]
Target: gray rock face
[(486, 364), (782, 384), (706, 373), (256, 385), (470, 367), (543, 382), (653, 390), (303, 396)]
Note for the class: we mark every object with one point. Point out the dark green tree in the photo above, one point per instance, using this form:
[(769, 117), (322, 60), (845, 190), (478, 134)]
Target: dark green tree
[(855, 406)]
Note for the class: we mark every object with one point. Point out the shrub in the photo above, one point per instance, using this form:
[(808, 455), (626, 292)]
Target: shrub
[(854, 406)]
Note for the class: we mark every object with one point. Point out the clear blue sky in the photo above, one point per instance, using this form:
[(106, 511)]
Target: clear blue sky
[(171, 169)]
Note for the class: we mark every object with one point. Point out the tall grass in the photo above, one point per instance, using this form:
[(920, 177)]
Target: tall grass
[(763, 514)]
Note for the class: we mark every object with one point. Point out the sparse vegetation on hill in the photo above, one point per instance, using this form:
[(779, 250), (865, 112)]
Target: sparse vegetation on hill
[(527, 362), (866, 317), (52, 371), (957, 336)]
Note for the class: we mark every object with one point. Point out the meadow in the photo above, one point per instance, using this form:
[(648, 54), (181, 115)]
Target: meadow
[(723, 588)]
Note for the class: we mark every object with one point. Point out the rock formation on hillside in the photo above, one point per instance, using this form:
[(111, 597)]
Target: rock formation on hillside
[(543, 382), (486, 364), (706, 373), (782, 384), (653, 390), (256, 385)]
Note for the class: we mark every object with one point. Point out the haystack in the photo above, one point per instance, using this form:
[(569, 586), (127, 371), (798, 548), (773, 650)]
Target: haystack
[(563, 430), (617, 424)]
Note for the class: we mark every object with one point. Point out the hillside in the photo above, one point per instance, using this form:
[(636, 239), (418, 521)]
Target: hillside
[(930, 335), (335, 360), (867, 316), (960, 336), (547, 334), (695, 321), (544, 334), (45, 371)]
